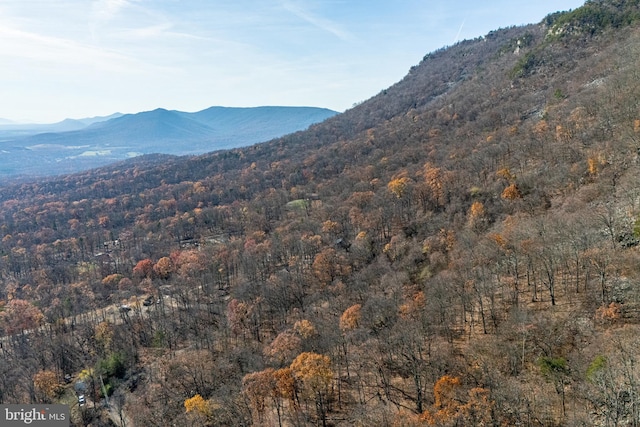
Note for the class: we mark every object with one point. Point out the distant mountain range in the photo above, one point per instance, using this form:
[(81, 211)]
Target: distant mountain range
[(10, 129), (78, 144)]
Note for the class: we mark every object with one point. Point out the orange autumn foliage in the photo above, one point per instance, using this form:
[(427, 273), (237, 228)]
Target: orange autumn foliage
[(351, 318), (46, 382), (313, 371), (452, 407), (197, 404), (511, 193)]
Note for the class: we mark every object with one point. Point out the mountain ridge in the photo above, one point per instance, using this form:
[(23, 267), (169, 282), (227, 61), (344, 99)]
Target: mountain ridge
[(105, 139)]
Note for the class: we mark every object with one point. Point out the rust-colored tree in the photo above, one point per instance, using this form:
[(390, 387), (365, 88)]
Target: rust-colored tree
[(431, 191), (19, 316), (257, 386), (314, 374), (198, 409), (278, 385), (350, 318), (284, 347), (242, 319), (413, 308), (103, 335), (47, 385), (399, 186), (477, 217), (329, 265), (163, 268), (112, 280), (611, 313), (511, 193), (452, 408), (304, 328), (446, 393), (143, 268)]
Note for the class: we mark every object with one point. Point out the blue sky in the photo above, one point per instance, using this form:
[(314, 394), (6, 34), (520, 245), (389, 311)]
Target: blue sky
[(83, 58)]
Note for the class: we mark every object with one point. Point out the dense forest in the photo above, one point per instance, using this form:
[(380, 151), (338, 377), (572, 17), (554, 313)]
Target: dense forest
[(459, 250)]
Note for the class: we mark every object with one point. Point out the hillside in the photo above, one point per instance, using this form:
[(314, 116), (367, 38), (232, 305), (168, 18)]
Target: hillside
[(461, 249), (75, 145)]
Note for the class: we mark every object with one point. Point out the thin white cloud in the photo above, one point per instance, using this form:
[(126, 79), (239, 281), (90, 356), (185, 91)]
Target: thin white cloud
[(56, 52), (109, 17), (151, 31), (161, 30), (303, 12), (105, 10)]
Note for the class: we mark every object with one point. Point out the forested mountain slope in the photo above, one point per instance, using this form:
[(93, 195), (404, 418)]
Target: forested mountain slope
[(461, 249)]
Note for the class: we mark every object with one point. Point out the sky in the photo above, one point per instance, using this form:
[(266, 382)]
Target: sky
[(84, 58)]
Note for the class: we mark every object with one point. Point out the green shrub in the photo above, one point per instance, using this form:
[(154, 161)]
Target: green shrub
[(113, 366), (598, 364)]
